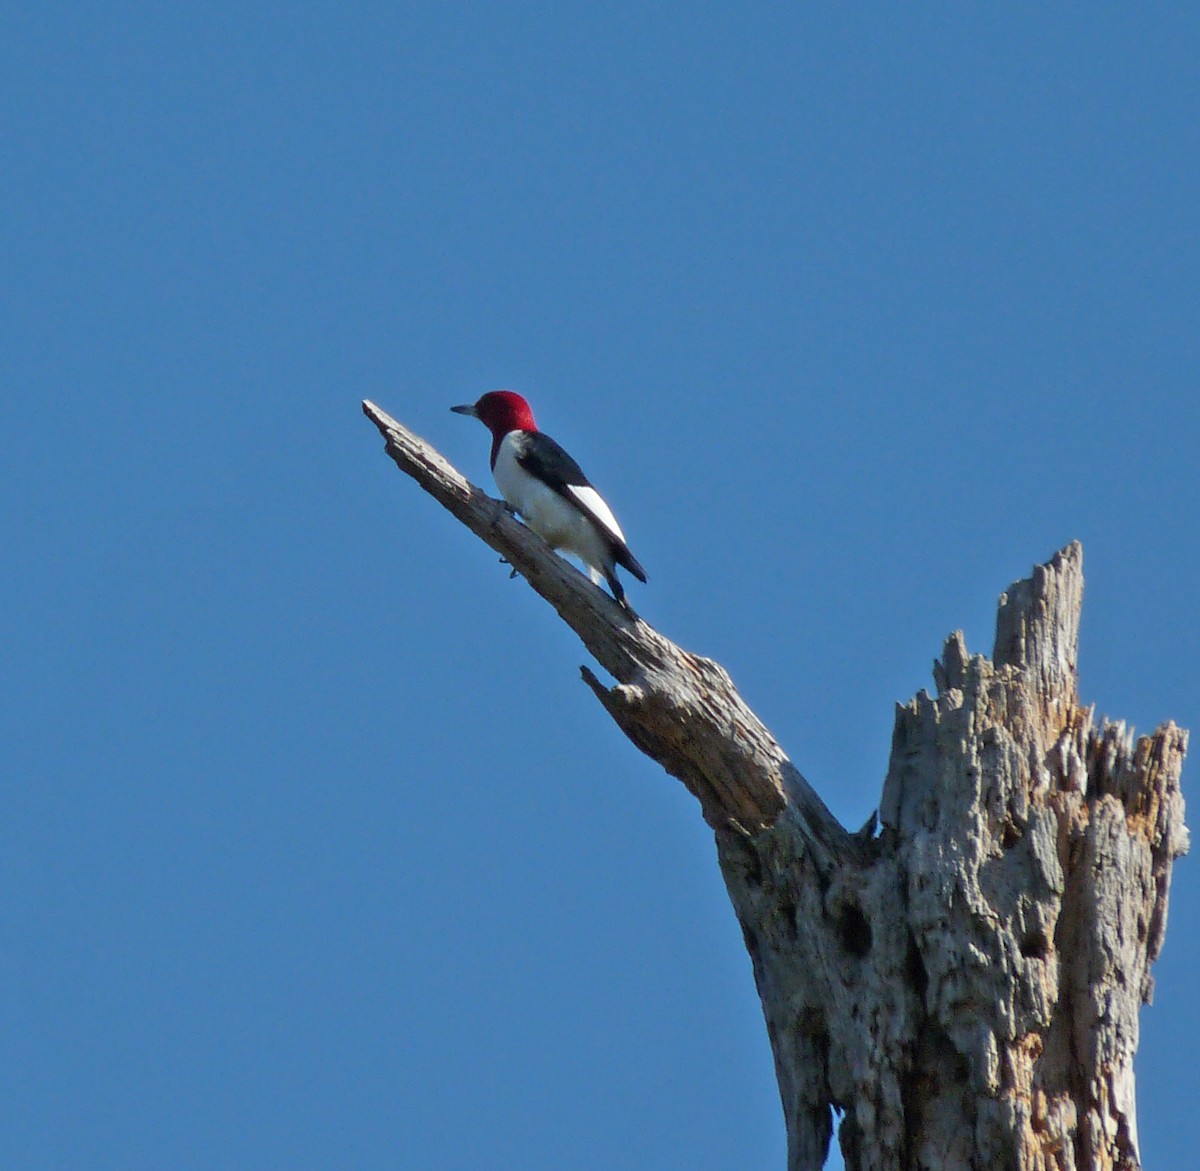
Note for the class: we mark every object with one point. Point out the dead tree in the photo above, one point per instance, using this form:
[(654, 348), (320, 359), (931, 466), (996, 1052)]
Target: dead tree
[(962, 987)]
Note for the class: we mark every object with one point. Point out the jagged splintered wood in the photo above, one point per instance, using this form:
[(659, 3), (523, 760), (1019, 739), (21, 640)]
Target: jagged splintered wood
[(963, 988)]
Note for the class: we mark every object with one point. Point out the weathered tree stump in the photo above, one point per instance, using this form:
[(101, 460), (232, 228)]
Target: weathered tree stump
[(964, 987)]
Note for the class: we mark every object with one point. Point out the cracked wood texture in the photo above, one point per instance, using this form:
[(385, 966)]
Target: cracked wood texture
[(964, 988)]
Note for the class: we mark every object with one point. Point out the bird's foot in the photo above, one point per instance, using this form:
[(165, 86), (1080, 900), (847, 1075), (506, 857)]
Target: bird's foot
[(502, 507)]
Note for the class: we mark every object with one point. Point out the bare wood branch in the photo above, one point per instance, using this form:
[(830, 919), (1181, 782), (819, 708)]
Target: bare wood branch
[(680, 708), (965, 988)]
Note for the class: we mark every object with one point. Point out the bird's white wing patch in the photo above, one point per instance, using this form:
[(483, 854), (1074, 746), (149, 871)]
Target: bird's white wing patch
[(593, 504)]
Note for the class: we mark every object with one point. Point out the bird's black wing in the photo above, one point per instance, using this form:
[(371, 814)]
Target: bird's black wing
[(542, 457)]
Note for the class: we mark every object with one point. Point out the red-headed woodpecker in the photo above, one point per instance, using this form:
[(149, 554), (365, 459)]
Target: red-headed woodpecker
[(547, 487)]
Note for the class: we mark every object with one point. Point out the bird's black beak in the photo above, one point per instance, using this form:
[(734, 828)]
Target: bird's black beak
[(466, 409)]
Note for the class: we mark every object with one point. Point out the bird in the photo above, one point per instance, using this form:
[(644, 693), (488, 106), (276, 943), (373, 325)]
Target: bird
[(542, 483)]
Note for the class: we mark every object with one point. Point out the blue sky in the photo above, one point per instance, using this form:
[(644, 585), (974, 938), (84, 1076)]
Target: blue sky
[(315, 853)]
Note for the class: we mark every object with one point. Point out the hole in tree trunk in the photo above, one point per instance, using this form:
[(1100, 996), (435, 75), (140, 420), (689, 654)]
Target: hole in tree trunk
[(1035, 945), (787, 913), (918, 977), (855, 931)]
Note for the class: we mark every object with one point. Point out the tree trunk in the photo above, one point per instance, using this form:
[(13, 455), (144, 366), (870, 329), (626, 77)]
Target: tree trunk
[(964, 986)]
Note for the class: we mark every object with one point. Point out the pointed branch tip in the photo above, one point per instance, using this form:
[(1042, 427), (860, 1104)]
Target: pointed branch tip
[(1037, 620)]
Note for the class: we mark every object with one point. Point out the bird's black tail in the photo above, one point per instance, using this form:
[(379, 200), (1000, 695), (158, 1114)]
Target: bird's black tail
[(627, 559), (618, 592)]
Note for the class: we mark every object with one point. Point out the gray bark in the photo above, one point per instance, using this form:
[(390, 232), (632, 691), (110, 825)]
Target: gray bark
[(964, 987)]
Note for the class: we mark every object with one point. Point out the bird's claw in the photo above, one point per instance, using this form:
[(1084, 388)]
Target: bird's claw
[(502, 507)]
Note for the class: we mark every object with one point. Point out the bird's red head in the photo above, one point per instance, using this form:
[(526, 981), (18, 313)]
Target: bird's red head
[(501, 411)]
